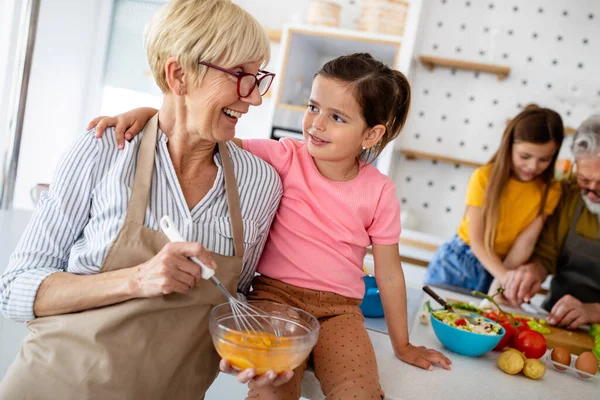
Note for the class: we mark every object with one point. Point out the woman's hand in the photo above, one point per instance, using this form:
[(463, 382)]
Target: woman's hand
[(127, 125), (572, 313), (271, 378), (170, 270), (423, 357)]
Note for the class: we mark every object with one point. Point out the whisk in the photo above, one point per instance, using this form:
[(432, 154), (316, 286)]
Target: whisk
[(246, 317)]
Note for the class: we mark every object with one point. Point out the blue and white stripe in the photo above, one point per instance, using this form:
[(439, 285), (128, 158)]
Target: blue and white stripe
[(76, 221)]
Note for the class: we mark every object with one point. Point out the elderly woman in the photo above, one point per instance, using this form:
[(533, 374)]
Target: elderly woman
[(114, 310), (569, 246)]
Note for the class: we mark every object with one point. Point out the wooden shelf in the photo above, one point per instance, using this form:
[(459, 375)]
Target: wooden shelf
[(411, 155), (406, 259), (431, 62), (291, 107), (418, 244), (274, 35)]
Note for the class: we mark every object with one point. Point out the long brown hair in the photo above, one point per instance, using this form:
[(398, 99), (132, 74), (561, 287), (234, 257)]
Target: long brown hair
[(533, 125), (382, 93)]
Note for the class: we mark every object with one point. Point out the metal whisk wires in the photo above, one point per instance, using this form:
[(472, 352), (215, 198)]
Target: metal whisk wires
[(246, 317)]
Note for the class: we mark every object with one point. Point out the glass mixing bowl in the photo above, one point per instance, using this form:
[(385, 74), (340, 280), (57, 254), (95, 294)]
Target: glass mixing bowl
[(265, 350)]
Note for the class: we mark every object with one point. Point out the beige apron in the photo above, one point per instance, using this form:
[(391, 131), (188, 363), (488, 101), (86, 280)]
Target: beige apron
[(158, 348)]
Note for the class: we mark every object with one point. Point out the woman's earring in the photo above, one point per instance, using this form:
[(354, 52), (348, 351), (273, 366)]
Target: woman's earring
[(364, 148), (182, 92)]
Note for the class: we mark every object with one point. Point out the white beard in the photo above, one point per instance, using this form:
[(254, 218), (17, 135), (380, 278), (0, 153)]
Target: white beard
[(593, 207)]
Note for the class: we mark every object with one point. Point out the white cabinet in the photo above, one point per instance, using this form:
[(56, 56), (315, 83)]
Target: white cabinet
[(305, 49)]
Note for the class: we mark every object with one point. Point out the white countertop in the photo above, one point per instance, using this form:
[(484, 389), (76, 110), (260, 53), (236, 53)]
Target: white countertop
[(469, 375)]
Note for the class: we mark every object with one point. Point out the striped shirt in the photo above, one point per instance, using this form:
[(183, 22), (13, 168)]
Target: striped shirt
[(76, 222)]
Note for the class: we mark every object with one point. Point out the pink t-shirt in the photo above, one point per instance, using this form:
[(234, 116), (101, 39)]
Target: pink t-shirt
[(322, 228)]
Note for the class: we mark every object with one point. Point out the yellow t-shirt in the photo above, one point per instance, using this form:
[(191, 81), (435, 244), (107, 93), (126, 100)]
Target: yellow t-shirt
[(519, 206)]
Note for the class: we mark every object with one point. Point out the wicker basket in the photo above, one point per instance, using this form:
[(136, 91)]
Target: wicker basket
[(324, 13), (383, 16)]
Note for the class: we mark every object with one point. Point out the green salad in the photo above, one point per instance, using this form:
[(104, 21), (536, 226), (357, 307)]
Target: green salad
[(455, 320)]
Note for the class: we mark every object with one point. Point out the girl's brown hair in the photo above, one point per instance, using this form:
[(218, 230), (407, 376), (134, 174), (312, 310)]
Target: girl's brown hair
[(382, 93), (533, 125)]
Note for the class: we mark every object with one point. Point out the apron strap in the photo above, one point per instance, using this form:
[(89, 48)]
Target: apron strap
[(136, 211), (576, 215), (142, 182), (233, 201)]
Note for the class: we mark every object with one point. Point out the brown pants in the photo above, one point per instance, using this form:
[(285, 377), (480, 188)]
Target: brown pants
[(344, 359)]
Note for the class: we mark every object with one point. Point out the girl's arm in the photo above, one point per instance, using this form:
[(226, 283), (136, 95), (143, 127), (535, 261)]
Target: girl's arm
[(521, 250), (127, 125), (392, 288), (491, 262)]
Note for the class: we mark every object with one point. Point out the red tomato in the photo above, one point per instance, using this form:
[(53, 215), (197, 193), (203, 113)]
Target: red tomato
[(461, 322), (493, 315), (510, 334), (531, 343), (523, 322)]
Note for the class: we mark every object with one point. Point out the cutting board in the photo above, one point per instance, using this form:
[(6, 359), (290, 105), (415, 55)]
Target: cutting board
[(576, 341)]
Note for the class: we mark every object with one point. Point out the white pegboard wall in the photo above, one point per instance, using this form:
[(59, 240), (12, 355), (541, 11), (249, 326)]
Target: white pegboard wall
[(431, 195), (553, 50)]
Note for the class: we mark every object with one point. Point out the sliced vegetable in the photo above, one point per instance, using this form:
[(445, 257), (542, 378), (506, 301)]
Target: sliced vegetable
[(596, 352), (461, 322), (466, 306), (536, 326), (595, 330), (427, 306)]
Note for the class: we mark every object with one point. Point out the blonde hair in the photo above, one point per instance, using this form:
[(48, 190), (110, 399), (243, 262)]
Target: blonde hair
[(213, 31), (533, 125)]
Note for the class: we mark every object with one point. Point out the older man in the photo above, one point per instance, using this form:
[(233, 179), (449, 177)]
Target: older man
[(569, 245)]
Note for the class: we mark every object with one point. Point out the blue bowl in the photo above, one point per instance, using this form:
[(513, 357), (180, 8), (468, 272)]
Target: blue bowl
[(464, 342), (371, 304)]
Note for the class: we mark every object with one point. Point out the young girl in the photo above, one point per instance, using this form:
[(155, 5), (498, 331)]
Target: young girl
[(334, 206), (507, 203)]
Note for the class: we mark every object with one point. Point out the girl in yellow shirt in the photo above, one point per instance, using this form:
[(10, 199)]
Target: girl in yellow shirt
[(507, 203)]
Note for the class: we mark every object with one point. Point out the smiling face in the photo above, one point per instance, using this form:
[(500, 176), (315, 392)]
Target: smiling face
[(333, 124), (588, 179), (530, 160), (214, 107)]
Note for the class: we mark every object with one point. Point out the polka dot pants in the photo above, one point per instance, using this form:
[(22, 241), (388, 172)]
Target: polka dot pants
[(344, 359)]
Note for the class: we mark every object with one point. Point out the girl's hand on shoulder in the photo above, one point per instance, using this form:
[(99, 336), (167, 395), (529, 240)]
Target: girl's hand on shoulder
[(423, 357), (127, 125)]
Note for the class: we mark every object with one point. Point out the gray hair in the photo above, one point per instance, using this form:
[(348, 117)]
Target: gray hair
[(586, 142)]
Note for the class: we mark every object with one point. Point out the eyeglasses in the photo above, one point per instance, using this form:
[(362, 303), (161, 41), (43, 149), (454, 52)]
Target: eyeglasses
[(584, 183), (247, 82)]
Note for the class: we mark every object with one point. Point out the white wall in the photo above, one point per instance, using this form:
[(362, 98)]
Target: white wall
[(67, 64), (553, 50)]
